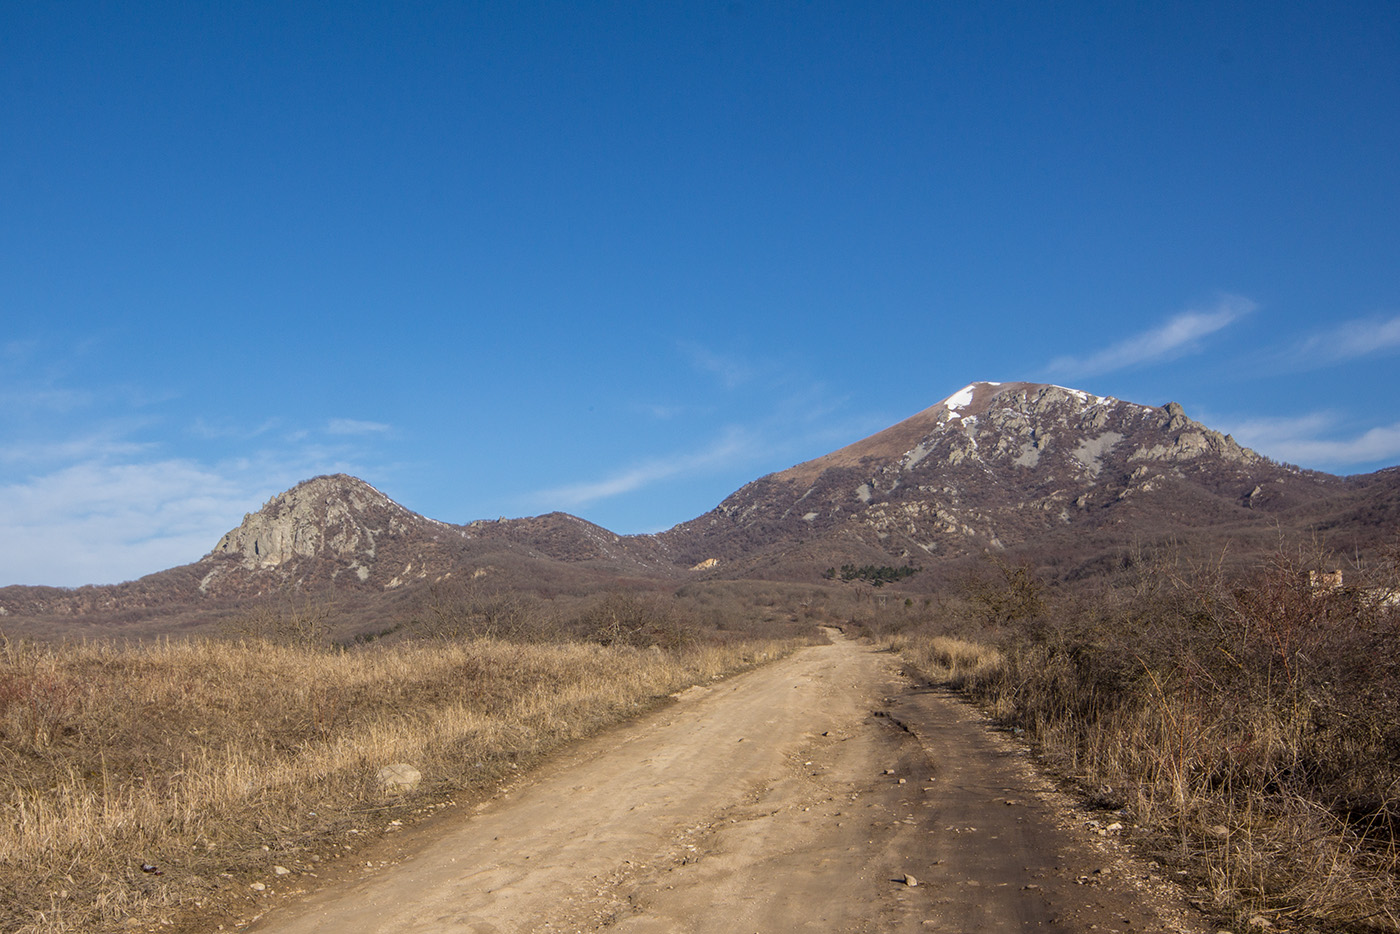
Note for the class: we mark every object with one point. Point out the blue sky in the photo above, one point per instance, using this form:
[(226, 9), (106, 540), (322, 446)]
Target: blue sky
[(620, 258)]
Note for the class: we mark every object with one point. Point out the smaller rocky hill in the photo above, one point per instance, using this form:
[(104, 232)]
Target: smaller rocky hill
[(340, 531), (327, 527), (339, 534)]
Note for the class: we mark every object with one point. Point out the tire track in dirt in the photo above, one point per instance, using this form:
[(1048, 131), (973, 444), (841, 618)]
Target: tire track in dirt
[(794, 797)]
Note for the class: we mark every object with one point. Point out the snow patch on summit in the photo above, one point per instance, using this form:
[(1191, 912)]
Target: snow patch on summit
[(960, 399), (1086, 398)]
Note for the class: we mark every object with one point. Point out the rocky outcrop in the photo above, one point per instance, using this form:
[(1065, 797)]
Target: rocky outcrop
[(337, 517), (337, 530), (1187, 440), (339, 533), (399, 778)]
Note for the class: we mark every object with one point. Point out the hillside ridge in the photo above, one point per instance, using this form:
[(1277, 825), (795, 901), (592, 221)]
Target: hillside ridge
[(993, 466)]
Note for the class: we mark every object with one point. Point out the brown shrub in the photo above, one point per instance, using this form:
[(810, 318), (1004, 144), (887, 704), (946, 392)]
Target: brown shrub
[(1251, 720)]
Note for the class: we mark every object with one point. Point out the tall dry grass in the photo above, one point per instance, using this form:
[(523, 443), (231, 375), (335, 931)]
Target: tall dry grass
[(1251, 726), (209, 763), (958, 663)]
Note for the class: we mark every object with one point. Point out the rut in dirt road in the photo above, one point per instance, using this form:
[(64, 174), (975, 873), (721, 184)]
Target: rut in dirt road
[(799, 796)]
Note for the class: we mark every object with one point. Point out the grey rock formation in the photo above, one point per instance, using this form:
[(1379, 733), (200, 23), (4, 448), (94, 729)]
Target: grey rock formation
[(323, 517), (399, 778)]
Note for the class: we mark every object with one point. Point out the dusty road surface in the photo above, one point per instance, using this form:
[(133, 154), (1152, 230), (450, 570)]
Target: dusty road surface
[(798, 797)]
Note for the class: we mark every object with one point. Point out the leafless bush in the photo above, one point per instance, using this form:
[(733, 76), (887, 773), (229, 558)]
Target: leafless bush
[(622, 618), (460, 608), (1006, 594), (1252, 720), (286, 618)]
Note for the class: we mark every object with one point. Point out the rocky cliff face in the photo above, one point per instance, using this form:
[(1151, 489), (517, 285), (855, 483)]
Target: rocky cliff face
[(334, 527), (341, 530), (337, 517)]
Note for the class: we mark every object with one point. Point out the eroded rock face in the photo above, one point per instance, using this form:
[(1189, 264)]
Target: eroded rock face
[(1187, 440), (337, 517), (340, 531)]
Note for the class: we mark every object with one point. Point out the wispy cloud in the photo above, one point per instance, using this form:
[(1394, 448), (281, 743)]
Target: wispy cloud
[(110, 519), (353, 426), (104, 482), (1349, 340), (212, 431), (43, 401), (733, 446), (791, 416), (110, 503), (1180, 335), (658, 411), (18, 351), (1304, 440), (731, 371), (103, 523), (104, 443)]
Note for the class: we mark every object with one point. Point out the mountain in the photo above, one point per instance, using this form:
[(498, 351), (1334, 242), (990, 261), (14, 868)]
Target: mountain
[(338, 533), (999, 466), (1059, 476)]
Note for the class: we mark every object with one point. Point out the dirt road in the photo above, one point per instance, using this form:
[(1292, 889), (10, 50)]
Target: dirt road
[(797, 797)]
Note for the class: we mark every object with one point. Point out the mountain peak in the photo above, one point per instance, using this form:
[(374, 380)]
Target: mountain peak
[(992, 465), (973, 400), (976, 398), (333, 515)]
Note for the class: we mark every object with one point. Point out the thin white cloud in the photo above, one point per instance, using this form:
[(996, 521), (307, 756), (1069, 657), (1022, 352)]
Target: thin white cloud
[(107, 443), (1303, 440), (1269, 431), (103, 523), (105, 507), (793, 417), (730, 371), (18, 351), (1378, 445), (95, 487), (734, 446), (44, 401), (353, 426), (211, 431), (658, 411), (1350, 340), (1179, 335)]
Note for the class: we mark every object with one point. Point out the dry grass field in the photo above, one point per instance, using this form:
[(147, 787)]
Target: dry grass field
[(1249, 728), (1245, 725), (148, 784)]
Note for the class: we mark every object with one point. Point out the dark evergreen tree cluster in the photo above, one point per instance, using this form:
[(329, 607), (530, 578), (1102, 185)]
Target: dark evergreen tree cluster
[(879, 575)]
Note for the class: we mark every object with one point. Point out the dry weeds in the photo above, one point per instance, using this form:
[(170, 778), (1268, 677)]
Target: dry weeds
[(147, 784), (1247, 726)]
